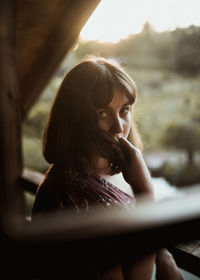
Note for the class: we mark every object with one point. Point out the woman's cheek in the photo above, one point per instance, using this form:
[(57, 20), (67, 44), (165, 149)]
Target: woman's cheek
[(104, 125), (127, 126)]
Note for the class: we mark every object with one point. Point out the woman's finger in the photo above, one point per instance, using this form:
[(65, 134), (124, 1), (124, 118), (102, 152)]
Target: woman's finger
[(120, 154), (127, 148)]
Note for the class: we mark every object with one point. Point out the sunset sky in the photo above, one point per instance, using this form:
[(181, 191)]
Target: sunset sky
[(116, 19)]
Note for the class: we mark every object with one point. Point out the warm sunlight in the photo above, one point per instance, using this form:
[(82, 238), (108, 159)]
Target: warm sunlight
[(116, 19)]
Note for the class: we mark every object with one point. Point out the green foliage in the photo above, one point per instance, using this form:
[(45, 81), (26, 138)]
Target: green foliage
[(189, 175), (178, 50), (187, 50), (184, 136), (33, 157), (180, 176), (33, 125)]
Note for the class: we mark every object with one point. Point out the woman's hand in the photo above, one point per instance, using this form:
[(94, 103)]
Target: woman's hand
[(133, 166), (166, 268)]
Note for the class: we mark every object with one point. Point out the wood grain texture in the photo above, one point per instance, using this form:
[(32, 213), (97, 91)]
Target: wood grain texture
[(46, 30), (10, 110)]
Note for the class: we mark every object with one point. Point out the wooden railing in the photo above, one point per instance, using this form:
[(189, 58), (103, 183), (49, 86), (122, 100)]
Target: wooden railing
[(186, 254)]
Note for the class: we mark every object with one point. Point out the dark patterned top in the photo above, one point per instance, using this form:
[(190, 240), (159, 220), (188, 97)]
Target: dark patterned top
[(66, 189)]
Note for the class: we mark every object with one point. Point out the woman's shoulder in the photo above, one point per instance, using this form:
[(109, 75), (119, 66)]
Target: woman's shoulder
[(64, 188), (44, 199)]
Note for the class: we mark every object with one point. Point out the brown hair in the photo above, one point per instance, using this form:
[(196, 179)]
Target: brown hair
[(71, 132)]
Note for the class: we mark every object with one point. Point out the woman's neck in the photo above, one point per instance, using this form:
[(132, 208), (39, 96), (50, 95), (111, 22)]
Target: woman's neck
[(100, 165)]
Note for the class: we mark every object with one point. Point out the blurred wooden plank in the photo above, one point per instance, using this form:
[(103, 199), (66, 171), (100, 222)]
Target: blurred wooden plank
[(108, 238), (187, 256), (10, 112), (46, 30), (30, 180), (191, 247)]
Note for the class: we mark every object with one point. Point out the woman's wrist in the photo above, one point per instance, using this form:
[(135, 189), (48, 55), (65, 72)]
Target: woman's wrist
[(143, 189)]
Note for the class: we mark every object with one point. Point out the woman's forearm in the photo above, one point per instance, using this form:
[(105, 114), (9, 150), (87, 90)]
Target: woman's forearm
[(142, 269)]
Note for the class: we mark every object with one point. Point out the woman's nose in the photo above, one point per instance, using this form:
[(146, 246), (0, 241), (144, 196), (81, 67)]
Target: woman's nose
[(117, 125)]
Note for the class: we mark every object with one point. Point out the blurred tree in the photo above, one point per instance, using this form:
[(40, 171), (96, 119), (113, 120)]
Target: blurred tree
[(139, 44), (187, 50), (86, 48), (196, 112), (33, 125), (183, 136), (178, 50)]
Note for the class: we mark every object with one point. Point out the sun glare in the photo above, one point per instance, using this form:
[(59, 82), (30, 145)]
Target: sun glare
[(116, 19)]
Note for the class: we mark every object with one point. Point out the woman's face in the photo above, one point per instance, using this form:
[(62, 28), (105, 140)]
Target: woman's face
[(116, 117)]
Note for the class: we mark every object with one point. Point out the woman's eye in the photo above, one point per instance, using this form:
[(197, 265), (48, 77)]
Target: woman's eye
[(125, 110), (102, 114)]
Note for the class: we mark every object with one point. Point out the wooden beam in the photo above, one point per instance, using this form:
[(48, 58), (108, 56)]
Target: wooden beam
[(44, 36), (152, 224), (30, 179), (10, 117), (187, 256)]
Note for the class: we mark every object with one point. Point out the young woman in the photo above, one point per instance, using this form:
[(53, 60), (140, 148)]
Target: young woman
[(94, 148)]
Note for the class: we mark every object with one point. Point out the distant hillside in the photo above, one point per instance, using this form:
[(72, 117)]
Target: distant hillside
[(178, 50)]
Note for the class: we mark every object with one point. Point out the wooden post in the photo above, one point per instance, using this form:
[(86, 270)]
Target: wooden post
[(10, 116), (44, 40)]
